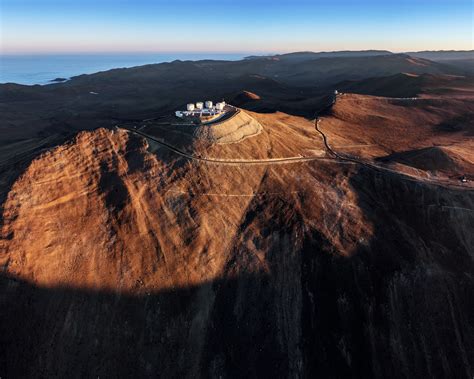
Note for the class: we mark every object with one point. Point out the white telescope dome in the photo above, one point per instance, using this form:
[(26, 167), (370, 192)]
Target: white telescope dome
[(208, 104), (220, 106), (190, 107), (199, 105)]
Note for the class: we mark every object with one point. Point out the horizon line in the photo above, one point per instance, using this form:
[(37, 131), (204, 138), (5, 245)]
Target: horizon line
[(248, 52)]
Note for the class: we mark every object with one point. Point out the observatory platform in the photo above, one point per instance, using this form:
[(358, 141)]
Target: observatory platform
[(204, 113), (184, 130)]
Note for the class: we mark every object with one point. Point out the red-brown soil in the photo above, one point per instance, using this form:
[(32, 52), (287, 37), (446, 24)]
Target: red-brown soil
[(207, 269), (122, 258), (430, 133)]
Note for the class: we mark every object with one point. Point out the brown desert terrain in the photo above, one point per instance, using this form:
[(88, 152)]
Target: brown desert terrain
[(308, 235)]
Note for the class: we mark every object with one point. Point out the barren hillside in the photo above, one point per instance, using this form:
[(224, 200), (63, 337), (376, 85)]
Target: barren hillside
[(123, 258), (308, 235)]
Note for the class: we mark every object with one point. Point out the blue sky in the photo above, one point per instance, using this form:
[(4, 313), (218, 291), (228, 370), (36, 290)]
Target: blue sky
[(64, 26)]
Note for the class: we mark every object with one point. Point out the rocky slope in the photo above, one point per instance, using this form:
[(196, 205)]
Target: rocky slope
[(237, 128), (122, 259)]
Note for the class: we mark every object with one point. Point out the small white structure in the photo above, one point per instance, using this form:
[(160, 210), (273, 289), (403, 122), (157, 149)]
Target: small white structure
[(208, 104), (199, 105), (336, 92), (190, 107)]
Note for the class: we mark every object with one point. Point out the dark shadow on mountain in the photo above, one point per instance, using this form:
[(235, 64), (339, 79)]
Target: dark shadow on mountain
[(463, 123), (427, 159), (112, 186), (407, 292), (134, 156), (400, 306)]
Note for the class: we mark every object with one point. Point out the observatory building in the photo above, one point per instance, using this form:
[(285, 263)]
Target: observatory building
[(202, 113)]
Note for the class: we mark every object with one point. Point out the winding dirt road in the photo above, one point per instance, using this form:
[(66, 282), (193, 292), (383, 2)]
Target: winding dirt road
[(374, 166), (336, 157), (232, 162)]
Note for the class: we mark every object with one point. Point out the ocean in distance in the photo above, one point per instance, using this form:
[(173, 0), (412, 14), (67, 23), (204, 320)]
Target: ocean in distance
[(42, 69)]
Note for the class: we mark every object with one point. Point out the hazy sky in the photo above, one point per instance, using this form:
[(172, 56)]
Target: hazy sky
[(49, 26)]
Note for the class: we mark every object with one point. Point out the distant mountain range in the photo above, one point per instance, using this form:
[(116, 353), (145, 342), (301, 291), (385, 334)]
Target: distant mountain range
[(309, 55), (443, 54)]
